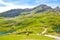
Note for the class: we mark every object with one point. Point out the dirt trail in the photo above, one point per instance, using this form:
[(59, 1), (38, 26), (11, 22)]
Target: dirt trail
[(56, 37)]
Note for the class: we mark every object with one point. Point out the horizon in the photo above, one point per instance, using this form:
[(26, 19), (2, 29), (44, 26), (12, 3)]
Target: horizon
[(6, 5)]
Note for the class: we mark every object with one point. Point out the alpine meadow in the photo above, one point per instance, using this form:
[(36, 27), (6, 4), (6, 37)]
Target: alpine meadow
[(41, 22)]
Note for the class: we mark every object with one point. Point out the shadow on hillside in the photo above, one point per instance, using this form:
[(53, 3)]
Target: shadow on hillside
[(57, 29)]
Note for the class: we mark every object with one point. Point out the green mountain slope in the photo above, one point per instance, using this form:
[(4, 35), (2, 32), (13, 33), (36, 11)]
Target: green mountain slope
[(31, 26), (34, 23)]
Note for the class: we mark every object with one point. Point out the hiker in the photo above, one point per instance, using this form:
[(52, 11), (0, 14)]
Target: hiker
[(27, 33)]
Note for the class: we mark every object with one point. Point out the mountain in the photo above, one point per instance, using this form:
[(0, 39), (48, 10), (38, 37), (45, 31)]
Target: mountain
[(57, 9), (41, 22), (37, 9), (48, 24), (14, 12), (41, 8)]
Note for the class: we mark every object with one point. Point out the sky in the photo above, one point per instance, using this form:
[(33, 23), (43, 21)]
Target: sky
[(16, 4)]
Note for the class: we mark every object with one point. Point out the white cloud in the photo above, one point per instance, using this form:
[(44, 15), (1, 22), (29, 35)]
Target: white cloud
[(12, 6), (2, 9)]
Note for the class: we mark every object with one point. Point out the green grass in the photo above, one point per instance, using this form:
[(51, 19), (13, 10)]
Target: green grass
[(24, 37), (34, 23)]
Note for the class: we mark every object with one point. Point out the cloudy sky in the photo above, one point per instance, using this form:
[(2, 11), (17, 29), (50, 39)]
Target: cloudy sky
[(14, 4)]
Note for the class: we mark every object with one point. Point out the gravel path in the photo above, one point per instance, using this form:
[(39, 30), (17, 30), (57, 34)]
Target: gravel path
[(56, 37)]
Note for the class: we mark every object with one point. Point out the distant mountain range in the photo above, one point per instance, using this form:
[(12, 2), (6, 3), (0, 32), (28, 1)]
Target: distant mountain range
[(13, 12), (37, 9)]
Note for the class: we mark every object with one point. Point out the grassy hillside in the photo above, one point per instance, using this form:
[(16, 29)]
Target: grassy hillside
[(33, 23)]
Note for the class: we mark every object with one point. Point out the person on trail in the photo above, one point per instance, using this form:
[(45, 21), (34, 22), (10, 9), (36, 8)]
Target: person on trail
[(27, 33)]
